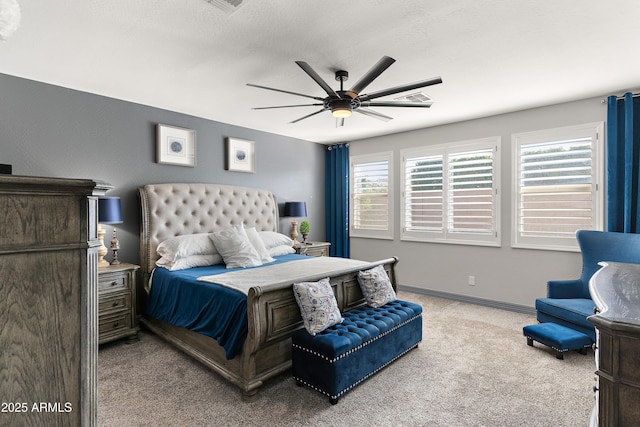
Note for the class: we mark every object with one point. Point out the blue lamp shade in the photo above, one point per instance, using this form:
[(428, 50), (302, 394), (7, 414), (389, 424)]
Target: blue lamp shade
[(109, 210), (295, 209)]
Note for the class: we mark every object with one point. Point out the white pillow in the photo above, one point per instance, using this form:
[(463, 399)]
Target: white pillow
[(258, 244), (376, 287), (188, 262), (187, 245), (281, 250), (272, 239), (318, 305), (235, 247)]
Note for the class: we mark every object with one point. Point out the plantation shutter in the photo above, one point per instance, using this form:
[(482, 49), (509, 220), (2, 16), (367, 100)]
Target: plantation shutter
[(371, 207), (424, 198), (471, 193), (449, 193), (556, 188)]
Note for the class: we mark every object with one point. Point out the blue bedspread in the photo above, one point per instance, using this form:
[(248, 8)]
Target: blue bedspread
[(176, 297)]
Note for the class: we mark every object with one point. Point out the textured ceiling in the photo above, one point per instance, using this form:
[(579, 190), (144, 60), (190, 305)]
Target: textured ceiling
[(494, 56)]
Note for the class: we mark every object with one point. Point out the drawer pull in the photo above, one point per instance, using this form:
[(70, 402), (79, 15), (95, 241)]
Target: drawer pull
[(116, 325), (114, 283), (116, 303)]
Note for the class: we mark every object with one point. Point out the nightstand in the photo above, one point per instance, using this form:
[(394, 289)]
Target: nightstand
[(313, 248), (117, 303)]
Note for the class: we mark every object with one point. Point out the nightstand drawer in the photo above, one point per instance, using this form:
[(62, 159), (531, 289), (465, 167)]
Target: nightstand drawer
[(113, 282), (114, 323), (113, 303), (316, 251), (313, 248)]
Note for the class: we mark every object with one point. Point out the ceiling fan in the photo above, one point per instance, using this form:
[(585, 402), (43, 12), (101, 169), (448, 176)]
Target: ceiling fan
[(342, 102)]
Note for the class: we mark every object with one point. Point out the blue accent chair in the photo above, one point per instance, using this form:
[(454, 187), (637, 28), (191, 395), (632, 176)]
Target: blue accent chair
[(568, 302)]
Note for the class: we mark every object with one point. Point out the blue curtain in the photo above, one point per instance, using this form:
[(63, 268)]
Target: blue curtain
[(623, 164), (337, 199)]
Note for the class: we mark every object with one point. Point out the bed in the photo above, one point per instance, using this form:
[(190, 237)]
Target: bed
[(272, 314)]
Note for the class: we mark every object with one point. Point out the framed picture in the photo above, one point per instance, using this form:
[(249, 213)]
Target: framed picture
[(241, 156), (176, 146)]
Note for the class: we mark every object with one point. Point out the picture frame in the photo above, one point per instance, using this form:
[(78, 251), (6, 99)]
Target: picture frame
[(175, 146), (241, 156)]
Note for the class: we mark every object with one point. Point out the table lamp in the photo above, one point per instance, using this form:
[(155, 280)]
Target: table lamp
[(295, 210), (109, 212)]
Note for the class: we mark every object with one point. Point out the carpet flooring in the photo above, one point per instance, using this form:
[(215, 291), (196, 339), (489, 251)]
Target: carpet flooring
[(473, 368)]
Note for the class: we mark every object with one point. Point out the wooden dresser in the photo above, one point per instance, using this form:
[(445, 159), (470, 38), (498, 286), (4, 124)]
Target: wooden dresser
[(615, 289), (48, 301)]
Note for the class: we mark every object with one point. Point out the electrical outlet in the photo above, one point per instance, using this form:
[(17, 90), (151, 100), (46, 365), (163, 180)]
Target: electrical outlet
[(472, 280)]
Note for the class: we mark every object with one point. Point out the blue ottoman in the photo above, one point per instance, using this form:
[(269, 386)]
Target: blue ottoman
[(558, 337), (342, 356)]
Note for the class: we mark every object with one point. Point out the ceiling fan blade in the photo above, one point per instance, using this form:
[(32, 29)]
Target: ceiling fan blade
[(307, 69), (396, 104), (402, 88), (308, 115), (285, 91), (340, 122), (384, 63), (374, 114), (286, 106)]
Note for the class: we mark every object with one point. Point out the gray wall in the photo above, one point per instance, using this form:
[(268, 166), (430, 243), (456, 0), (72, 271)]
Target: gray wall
[(51, 131), (511, 276)]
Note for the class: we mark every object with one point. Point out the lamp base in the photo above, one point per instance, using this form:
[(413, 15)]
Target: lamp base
[(294, 232), (102, 249)]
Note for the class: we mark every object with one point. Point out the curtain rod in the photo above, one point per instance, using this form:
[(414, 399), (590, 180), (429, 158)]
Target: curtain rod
[(633, 95)]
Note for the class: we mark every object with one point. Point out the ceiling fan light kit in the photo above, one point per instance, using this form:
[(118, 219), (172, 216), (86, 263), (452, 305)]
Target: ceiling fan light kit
[(341, 108), (342, 102)]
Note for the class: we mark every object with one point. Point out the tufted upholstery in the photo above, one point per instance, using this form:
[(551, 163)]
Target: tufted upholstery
[(170, 210), (344, 355)]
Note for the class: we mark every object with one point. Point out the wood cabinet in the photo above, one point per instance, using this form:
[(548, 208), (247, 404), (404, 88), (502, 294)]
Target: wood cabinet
[(117, 302), (48, 301), (312, 248), (615, 289)]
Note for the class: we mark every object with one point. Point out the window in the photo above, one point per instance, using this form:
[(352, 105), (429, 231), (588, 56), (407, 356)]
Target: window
[(371, 204), (557, 178), (449, 193)]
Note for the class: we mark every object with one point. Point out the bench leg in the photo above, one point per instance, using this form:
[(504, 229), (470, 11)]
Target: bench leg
[(583, 350), (529, 342), (333, 401), (560, 355)]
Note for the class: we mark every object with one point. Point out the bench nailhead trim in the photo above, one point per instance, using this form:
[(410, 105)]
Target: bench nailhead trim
[(359, 381)]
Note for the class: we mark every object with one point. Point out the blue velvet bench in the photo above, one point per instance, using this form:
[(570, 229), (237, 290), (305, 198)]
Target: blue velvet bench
[(342, 356), (558, 337)]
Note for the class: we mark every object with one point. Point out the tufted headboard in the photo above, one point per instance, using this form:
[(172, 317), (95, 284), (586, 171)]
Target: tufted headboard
[(170, 210)]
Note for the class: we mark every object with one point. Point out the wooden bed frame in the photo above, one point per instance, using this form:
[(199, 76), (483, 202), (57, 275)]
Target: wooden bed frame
[(169, 210)]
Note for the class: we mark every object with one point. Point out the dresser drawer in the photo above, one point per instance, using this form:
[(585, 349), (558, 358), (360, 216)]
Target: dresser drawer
[(113, 282), (114, 323), (112, 303)]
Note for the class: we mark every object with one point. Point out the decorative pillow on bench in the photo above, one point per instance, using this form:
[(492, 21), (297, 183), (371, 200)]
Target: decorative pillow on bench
[(318, 305), (376, 287)]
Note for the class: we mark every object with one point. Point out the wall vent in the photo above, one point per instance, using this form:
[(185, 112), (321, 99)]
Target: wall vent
[(228, 6), (414, 97)]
